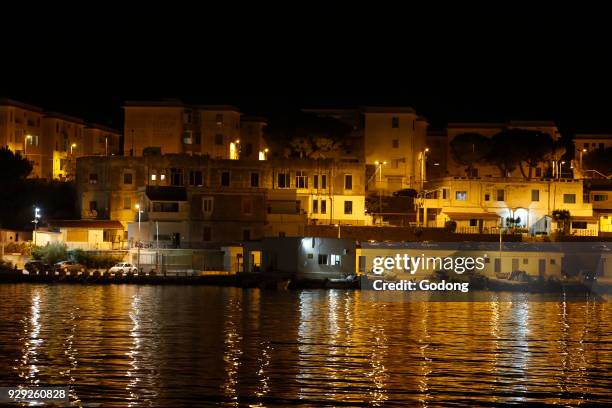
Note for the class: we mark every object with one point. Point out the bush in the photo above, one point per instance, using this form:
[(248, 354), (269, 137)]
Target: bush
[(23, 248), (5, 266), (51, 253), (93, 260)]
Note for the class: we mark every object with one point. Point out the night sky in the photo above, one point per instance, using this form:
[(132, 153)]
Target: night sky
[(578, 101)]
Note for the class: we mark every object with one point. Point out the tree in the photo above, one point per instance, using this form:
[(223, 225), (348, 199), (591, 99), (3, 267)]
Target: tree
[(600, 160), (562, 217), (515, 147), (13, 167), (469, 149)]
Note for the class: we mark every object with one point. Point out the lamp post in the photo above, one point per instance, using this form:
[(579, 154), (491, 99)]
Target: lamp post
[(35, 221), (380, 164), (139, 212), (581, 153), (338, 225), (423, 170), (106, 146), (561, 163), (25, 145), (72, 146)]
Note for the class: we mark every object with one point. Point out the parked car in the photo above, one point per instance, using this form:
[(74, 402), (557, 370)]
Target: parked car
[(69, 267), (123, 269), (37, 267)]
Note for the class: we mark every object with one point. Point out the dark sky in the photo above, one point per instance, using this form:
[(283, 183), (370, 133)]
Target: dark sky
[(585, 112), (578, 96)]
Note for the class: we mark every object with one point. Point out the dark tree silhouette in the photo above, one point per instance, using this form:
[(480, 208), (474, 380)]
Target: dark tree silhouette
[(469, 149)]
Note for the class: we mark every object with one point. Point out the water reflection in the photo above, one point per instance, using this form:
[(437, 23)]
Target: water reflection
[(176, 346)]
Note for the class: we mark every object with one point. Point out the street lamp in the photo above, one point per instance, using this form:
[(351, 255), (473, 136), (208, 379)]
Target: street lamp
[(25, 145), (380, 164), (581, 153), (72, 146), (35, 221), (423, 159), (139, 212), (561, 163), (338, 225)]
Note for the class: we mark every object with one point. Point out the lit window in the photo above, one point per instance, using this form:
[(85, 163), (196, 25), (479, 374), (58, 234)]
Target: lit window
[(162, 176), (153, 177), (461, 195), (335, 259)]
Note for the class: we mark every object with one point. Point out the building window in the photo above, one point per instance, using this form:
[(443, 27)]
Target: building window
[(247, 205), (301, 179), (246, 234), (323, 206), (487, 197), (473, 173), (254, 179), (322, 259), (497, 265), (207, 205), (335, 260), (153, 177), (127, 178), (127, 203), (348, 207), (473, 222), (348, 181), (586, 145), (225, 179), (187, 137), (600, 197), (323, 181), (579, 224), (569, 198), (197, 138), (219, 119), (525, 261), (535, 195), (218, 139), (315, 206), (162, 177), (395, 143), (195, 177), (176, 177), (461, 195), (93, 178), (445, 193), (206, 234), (93, 206), (165, 207), (283, 180), (282, 234), (315, 181), (395, 122), (538, 172), (500, 195)]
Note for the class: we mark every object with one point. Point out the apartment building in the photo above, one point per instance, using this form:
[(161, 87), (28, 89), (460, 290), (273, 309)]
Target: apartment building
[(52, 141), (480, 205), (172, 127), (193, 200)]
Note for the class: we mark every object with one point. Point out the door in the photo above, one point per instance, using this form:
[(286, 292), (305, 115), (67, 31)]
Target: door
[(542, 267)]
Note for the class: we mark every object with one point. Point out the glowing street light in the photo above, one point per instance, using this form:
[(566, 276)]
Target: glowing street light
[(379, 165), (581, 153), (35, 221), (423, 156), (72, 146), (139, 212), (25, 146)]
